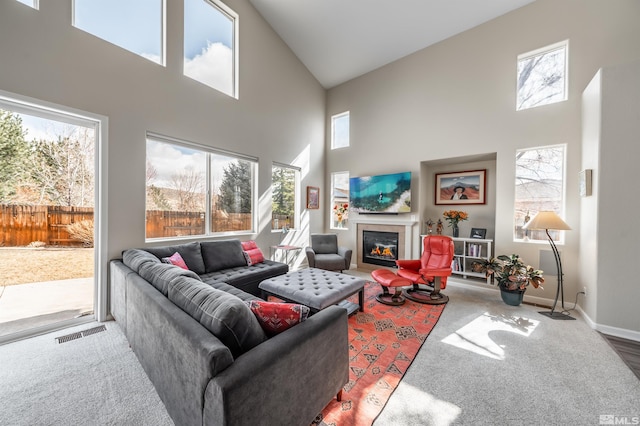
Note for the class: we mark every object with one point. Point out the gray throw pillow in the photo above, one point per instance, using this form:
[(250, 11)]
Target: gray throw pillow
[(161, 274), (222, 254), (190, 252), (224, 315)]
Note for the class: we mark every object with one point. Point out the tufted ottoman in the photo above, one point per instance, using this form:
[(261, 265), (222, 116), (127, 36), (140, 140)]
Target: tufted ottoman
[(316, 288)]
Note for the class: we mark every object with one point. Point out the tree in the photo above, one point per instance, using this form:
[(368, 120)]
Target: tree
[(188, 186), (156, 199), (235, 189), (63, 170), (283, 187), (13, 154)]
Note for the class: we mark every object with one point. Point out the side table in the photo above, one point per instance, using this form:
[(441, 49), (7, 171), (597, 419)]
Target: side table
[(286, 248)]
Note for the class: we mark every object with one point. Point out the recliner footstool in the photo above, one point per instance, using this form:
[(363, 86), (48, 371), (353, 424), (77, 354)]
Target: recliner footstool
[(387, 279)]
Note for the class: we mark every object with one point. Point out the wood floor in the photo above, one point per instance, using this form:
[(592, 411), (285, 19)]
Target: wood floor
[(629, 351)]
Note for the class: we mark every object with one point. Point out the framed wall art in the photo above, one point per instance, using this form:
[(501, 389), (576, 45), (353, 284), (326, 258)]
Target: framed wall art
[(467, 187), (313, 197)]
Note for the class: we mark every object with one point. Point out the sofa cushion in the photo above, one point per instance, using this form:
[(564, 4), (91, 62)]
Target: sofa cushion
[(224, 315), (134, 258), (222, 254), (246, 277), (277, 317), (175, 259), (190, 252), (161, 274)]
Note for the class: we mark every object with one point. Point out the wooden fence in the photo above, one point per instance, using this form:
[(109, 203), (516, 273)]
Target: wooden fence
[(21, 225), (175, 224)]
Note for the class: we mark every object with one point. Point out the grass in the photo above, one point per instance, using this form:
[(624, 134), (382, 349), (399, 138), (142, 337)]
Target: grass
[(31, 265)]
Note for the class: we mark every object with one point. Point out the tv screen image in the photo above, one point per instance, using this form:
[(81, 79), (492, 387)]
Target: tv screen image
[(389, 193)]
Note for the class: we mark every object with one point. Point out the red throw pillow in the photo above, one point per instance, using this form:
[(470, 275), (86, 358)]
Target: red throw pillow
[(277, 317), (177, 260), (248, 245), (254, 256)]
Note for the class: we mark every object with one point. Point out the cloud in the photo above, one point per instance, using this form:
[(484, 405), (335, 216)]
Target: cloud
[(213, 67), (170, 159)]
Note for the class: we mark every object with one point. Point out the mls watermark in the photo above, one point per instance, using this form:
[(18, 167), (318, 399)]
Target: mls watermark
[(611, 419)]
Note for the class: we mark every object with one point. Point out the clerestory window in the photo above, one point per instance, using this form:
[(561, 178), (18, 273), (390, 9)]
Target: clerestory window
[(542, 76), (137, 26), (211, 45)]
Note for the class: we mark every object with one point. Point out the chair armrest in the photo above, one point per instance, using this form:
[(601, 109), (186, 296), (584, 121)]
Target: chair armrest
[(311, 257), (346, 253), (307, 365), (436, 272), (413, 264)]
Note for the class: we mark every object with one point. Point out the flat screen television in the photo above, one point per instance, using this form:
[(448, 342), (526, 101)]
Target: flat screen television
[(390, 194)]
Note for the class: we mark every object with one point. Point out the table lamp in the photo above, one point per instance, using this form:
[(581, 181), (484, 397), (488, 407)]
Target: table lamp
[(550, 220)]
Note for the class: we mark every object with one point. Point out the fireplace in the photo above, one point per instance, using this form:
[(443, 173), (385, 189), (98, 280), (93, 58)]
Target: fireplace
[(380, 248)]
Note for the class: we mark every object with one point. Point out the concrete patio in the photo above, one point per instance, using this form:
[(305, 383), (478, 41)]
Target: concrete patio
[(24, 306)]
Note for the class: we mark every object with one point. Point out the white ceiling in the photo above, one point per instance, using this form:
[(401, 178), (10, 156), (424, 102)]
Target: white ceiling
[(338, 40)]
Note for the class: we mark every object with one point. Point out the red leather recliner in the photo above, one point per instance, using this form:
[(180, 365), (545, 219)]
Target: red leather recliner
[(431, 270)]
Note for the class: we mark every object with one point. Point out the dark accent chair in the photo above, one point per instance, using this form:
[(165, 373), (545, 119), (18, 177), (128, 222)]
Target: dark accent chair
[(325, 253)]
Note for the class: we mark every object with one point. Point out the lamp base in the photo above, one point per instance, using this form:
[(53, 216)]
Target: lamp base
[(557, 315)]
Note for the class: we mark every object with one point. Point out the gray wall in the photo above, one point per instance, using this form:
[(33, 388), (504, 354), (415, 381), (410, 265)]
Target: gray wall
[(610, 147), (457, 98), (279, 116)]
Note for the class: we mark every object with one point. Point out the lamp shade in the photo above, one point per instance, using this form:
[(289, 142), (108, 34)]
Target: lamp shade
[(547, 220)]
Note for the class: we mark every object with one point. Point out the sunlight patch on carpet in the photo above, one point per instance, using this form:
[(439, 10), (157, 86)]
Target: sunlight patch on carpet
[(475, 337)]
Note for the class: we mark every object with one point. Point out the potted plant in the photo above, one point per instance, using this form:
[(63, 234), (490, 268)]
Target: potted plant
[(512, 275)]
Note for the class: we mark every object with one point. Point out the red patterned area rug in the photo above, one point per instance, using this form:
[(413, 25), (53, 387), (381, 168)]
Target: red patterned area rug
[(383, 341)]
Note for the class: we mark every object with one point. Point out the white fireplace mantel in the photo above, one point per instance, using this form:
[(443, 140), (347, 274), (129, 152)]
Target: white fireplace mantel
[(410, 233)]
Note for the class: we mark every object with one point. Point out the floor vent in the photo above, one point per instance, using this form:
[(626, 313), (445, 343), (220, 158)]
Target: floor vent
[(81, 334)]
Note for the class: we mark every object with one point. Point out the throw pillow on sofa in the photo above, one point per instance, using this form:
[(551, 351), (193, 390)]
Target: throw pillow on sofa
[(222, 254), (223, 314), (175, 259), (252, 252), (190, 252), (277, 317)]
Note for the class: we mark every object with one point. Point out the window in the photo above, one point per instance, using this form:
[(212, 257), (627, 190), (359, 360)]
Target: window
[(32, 3), (284, 197), (210, 44), (137, 26), (542, 76), (340, 130), (539, 186), (339, 200), (177, 186)]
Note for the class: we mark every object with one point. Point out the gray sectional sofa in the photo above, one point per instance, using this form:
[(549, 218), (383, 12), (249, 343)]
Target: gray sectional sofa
[(203, 348)]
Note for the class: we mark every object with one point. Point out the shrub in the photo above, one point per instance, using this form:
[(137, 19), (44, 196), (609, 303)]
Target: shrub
[(82, 231)]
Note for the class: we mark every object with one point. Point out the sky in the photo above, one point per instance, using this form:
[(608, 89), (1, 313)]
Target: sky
[(138, 25)]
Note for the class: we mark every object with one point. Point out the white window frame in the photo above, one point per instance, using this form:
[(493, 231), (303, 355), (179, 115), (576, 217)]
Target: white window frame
[(539, 52), (335, 118), (31, 3)]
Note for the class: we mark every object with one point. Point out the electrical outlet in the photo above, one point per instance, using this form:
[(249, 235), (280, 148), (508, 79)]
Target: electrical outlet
[(584, 290)]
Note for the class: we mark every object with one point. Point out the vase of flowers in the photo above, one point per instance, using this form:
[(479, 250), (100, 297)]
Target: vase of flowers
[(341, 213), (453, 217), (512, 276)]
